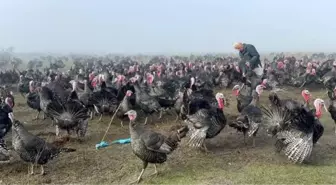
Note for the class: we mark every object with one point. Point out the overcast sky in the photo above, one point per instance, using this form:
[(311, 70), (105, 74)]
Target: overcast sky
[(138, 26)]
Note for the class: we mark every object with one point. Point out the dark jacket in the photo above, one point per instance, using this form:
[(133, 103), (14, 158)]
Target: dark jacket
[(250, 53)]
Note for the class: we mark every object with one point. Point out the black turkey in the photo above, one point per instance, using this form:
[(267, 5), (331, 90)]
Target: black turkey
[(33, 149), (7, 96), (33, 99), (125, 106), (70, 116), (205, 121), (332, 106), (146, 103), (296, 130), (6, 120), (104, 101), (23, 87), (86, 98), (152, 147), (243, 99), (250, 117)]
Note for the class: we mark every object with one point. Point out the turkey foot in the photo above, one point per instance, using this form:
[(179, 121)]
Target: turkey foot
[(245, 139), (146, 121), (91, 115), (160, 114), (177, 118), (122, 124)]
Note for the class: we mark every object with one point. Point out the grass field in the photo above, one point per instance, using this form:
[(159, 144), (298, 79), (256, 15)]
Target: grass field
[(230, 162)]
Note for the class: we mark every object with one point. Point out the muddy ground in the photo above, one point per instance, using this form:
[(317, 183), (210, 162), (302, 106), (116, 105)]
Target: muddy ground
[(230, 162)]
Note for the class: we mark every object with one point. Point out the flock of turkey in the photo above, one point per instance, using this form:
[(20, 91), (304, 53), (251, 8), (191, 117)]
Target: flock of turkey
[(129, 89)]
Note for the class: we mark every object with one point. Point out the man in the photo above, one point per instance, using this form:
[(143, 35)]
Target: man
[(249, 55)]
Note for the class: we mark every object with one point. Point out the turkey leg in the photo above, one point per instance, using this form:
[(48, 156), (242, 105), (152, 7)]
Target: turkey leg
[(100, 118), (31, 169), (160, 114), (245, 138), (205, 148), (42, 170), (155, 172), (57, 130), (177, 118), (37, 116), (145, 164), (254, 137), (91, 115), (253, 140)]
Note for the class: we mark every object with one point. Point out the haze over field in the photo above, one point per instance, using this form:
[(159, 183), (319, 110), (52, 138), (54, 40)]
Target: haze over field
[(173, 26)]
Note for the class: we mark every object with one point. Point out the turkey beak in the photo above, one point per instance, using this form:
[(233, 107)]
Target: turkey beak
[(11, 116)]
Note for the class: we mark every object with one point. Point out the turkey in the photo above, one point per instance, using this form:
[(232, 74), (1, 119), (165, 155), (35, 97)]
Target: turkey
[(152, 147), (23, 86), (158, 91), (201, 94), (205, 121), (53, 93), (7, 96), (332, 106), (146, 103), (250, 117), (125, 106), (33, 149), (318, 127), (33, 99), (6, 120), (283, 103), (104, 101), (46, 97), (86, 96), (243, 99), (296, 130), (178, 104), (70, 116), (306, 96)]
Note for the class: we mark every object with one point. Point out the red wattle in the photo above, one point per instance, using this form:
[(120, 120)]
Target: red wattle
[(220, 103)]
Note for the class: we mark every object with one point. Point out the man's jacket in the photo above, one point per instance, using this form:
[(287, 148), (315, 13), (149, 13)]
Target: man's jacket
[(251, 54)]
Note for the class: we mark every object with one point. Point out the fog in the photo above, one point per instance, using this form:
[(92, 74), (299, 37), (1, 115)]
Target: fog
[(173, 26)]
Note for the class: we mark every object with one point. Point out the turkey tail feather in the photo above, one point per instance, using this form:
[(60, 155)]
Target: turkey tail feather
[(197, 136), (275, 116), (297, 146)]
